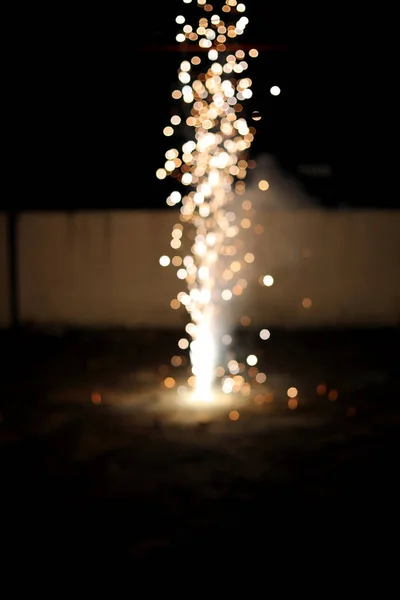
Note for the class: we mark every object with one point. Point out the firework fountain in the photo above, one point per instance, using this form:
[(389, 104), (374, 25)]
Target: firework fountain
[(210, 169)]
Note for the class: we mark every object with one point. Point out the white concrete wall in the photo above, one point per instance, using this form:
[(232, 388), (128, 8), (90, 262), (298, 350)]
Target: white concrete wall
[(103, 269), (96, 269), (4, 281), (351, 276)]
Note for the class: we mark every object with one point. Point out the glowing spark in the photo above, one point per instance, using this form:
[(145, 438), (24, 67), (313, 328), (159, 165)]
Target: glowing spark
[(275, 90)]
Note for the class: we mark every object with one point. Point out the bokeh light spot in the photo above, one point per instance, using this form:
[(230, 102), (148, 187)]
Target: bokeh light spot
[(292, 392), (265, 334), (275, 90), (96, 398), (268, 280)]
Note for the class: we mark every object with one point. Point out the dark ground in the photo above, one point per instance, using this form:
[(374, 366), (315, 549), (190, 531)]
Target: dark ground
[(114, 484)]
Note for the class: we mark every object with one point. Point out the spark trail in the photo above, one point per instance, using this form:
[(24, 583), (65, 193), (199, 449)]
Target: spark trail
[(210, 170)]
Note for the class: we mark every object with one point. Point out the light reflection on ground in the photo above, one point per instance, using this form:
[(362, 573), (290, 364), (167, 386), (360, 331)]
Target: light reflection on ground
[(226, 412)]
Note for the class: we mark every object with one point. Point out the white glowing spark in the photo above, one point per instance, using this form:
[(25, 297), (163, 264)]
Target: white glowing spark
[(275, 90)]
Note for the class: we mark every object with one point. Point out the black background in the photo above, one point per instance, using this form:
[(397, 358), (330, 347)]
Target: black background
[(91, 90)]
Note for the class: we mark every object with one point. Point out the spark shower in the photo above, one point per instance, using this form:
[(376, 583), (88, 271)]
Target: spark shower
[(208, 244)]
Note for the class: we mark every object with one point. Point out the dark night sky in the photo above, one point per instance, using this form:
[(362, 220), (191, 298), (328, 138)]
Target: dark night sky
[(87, 136)]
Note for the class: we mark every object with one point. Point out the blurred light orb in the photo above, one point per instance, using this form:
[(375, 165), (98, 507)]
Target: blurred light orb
[(268, 280), (161, 173), (275, 90), (292, 392), (265, 334), (226, 339), (263, 185), (164, 261), (168, 131), (183, 343), (252, 360), (261, 378)]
